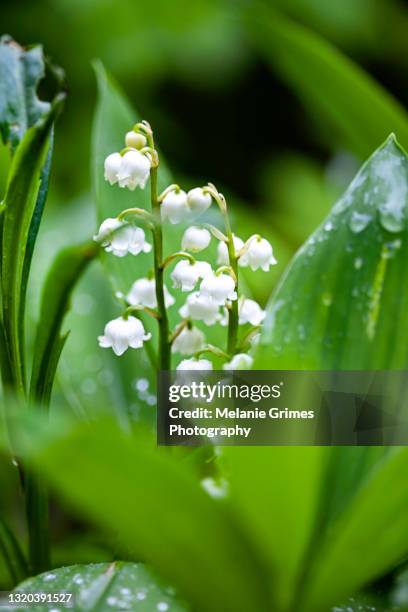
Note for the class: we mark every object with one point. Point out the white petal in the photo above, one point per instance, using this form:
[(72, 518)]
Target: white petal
[(198, 201), (241, 361), (195, 239)]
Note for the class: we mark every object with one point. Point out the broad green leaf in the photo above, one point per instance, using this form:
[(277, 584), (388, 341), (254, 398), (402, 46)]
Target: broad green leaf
[(62, 278), (157, 509), (20, 205), (21, 70), (342, 303), (369, 538), (335, 89), (105, 587), (276, 492)]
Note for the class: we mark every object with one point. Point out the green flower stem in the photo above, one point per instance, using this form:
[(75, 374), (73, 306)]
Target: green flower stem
[(36, 495), (137, 310), (247, 338), (13, 555), (179, 254), (185, 323), (210, 348), (233, 260), (164, 343), (136, 212)]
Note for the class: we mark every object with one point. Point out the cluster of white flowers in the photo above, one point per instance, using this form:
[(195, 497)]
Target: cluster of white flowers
[(212, 292), (177, 205)]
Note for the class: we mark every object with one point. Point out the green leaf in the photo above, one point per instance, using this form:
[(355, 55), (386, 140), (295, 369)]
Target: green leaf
[(20, 205), (369, 538), (342, 304), (357, 108), (105, 587), (157, 509), (62, 277), (21, 70), (276, 492)]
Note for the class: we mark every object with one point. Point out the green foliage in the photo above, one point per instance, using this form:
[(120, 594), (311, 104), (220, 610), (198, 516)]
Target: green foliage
[(62, 278), (341, 304), (21, 70), (286, 484), (104, 587), (19, 207), (158, 510), (360, 111), (371, 523)]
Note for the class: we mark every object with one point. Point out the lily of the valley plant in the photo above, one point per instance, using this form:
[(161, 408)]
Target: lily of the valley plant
[(212, 294)]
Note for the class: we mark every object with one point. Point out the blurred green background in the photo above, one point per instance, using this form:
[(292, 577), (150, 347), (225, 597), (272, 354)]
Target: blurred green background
[(191, 69)]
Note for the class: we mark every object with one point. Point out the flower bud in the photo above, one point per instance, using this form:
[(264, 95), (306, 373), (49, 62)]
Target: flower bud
[(174, 207), (186, 275), (121, 333), (143, 293), (219, 287), (200, 308), (195, 239), (198, 201), (195, 364), (120, 238), (222, 251), (135, 140), (241, 361), (112, 165), (250, 312), (188, 341), (134, 170), (259, 254)]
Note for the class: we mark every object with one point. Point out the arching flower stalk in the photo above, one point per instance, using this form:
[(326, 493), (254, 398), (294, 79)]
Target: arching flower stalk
[(213, 294)]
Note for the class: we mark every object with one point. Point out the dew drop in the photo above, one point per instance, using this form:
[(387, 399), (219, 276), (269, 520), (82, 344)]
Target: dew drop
[(358, 262), (391, 248), (359, 221), (162, 606), (390, 220), (328, 226), (140, 595), (141, 384)]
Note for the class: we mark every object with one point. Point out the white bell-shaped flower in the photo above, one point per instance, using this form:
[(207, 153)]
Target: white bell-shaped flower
[(219, 287), (143, 293), (121, 333), (222, 251), (174, 207), (134, 170), (259, 254), (250, 312), (112, 165), (198, 200), (200, 308), (120, 238), (195, 364), (241, 361), (189, 341), (135, 140), (186, 275), (195, 239)]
